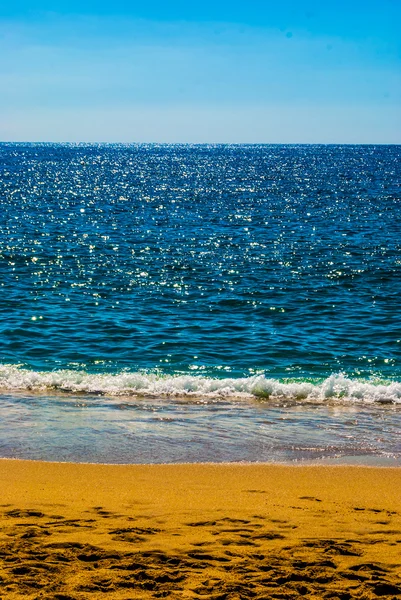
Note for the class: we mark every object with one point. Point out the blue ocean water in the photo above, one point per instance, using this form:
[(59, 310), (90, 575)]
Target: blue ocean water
[(199, 279)]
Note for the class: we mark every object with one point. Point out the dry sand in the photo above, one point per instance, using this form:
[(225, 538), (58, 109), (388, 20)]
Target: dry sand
[(73, 531)]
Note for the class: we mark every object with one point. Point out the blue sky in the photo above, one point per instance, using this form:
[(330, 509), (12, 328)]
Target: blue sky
[(289, 72)]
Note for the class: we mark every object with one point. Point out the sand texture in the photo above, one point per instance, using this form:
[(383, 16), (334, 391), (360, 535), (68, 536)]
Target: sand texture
[(199, 531)]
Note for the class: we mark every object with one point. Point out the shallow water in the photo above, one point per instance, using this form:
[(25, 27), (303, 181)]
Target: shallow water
[(122, 430), (205, 283)]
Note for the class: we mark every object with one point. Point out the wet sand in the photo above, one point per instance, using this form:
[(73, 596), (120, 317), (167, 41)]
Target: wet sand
[(73, 531)]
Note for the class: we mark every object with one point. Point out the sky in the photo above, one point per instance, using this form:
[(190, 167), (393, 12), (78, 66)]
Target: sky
[(211, 71)]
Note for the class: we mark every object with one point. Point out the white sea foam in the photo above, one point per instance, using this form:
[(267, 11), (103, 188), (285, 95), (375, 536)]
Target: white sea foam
[(15, 378)]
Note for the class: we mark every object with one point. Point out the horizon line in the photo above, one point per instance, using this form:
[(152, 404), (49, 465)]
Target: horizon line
[(177, 143)]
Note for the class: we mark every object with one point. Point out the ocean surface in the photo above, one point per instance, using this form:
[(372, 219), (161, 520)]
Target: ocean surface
[(175, 303)]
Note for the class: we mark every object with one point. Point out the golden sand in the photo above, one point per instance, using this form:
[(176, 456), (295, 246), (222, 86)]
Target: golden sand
[(73, 531)]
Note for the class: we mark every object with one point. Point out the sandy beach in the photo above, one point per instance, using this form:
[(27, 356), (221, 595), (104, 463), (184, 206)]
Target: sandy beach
[(77, 531)]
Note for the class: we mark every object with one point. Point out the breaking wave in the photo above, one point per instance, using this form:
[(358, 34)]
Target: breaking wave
[(152, 385)]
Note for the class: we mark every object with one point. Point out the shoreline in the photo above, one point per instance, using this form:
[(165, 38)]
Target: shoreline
[(111, 431), (215, 530), (366, 462)]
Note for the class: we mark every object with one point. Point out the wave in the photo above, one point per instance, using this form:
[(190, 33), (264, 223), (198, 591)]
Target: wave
[(152, 385)]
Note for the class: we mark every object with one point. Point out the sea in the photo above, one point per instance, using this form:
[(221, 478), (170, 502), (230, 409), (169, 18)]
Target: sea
[(200, 303)]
